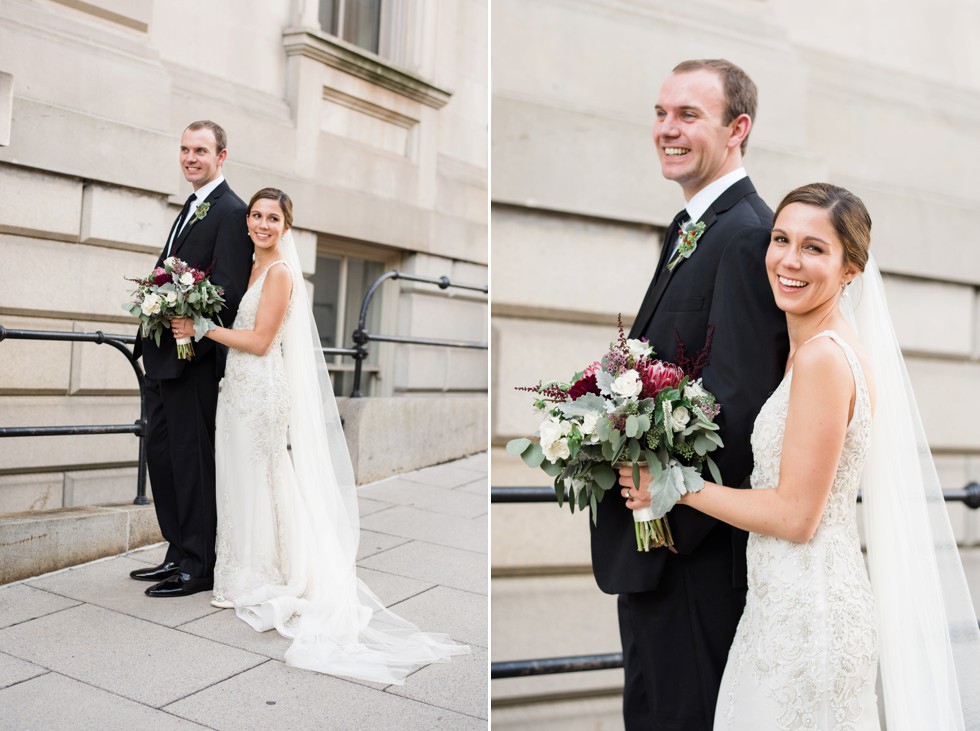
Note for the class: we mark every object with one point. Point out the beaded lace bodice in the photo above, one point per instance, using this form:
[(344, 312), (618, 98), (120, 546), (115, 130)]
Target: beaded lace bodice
[(254, 386), (807, 643)]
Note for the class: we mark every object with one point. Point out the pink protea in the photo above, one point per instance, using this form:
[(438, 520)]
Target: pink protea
[(592, 369), (198, 275), (657, 375)]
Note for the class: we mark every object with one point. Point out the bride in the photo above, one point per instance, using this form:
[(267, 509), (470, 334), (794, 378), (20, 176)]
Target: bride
[(816, 631), (287, 510)]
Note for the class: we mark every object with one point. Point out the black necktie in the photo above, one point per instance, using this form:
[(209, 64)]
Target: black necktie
[(179, 223), (672, 232)]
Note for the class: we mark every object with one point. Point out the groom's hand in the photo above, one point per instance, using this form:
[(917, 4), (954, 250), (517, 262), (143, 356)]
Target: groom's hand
[(636, 497), (182, 327)]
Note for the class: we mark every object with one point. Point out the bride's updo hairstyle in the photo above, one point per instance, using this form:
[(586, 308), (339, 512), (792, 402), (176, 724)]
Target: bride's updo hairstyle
[(847, 215), (274, 194)]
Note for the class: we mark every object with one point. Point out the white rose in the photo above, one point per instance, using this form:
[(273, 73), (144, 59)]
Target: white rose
[(549, 431), (628, 384), (151, 304), (694, 390), (187, 279), (638, 349), (171, 298), (169, 261), (589, 422), (556, 450), (679, 419)]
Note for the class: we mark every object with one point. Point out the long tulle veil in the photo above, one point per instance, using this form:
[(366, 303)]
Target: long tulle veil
[(337, 624), (930, 643)]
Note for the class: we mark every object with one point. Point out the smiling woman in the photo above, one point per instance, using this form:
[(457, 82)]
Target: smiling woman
[(817, 441)]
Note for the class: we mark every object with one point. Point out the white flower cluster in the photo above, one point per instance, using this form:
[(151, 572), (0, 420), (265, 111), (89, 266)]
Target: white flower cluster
[(554, 438)]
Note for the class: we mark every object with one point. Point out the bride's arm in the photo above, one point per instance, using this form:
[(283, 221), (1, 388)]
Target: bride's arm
[(272, 310), (819, 404)]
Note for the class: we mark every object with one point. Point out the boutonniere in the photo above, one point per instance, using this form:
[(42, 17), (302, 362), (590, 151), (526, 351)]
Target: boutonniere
[(686, 244), (202, 211)]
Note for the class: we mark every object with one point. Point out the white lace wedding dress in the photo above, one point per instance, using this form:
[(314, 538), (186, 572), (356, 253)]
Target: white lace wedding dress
[(805, 654), (285, 553)]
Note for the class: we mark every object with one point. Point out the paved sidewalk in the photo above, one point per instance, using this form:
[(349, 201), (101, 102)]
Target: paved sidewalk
[(84, 648)]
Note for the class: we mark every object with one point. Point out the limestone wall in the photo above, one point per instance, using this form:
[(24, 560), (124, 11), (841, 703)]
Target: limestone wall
[(383, 159)]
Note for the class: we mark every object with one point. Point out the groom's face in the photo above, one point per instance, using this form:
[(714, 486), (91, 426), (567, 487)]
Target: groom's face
[(199, 160), (694, 145)]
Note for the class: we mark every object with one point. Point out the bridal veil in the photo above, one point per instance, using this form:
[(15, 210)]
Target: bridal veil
[(337, 625), (930, 642)]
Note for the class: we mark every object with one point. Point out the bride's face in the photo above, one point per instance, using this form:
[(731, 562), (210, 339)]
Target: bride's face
[(805, 260), (266, 224)]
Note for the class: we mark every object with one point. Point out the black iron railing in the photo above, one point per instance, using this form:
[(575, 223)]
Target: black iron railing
[(359, 352), (362, 337), (969, 496), (119, 342)]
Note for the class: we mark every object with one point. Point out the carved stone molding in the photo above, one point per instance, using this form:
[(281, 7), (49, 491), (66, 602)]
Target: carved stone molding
[(362, 64)]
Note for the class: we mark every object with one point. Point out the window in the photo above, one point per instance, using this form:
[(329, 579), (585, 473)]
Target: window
[(339, 286), (355, 21)]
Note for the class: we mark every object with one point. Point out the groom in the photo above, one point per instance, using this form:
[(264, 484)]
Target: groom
[(678, 612), (210, 234)]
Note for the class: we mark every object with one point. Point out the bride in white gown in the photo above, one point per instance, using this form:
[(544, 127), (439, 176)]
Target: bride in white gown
[(815, 629), (287, 512)]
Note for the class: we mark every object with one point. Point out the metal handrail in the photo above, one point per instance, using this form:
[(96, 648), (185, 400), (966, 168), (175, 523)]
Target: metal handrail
[(362, 337), (138, 428), (969, 495)]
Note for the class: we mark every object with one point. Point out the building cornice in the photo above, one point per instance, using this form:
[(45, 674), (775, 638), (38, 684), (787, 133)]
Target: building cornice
[(332, 51)]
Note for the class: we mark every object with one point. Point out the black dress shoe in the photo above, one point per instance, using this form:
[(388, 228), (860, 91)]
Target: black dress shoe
[(181, 584), (157, 573)]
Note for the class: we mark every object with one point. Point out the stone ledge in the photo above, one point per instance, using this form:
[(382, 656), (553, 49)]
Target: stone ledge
[(38, 542), (387, 436)]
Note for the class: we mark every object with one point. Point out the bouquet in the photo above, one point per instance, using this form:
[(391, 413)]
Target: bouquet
[(175, 290), (627, 408)]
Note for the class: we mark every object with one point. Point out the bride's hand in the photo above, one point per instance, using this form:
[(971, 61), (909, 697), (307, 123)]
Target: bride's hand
[(182, 327), (636, 498)]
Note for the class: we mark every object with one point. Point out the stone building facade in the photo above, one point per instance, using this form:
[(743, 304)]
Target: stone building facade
[(849, 93), (372, 116)]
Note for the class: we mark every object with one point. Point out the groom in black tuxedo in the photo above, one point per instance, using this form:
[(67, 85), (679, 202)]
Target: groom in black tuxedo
[(210, 233), (678, 612)]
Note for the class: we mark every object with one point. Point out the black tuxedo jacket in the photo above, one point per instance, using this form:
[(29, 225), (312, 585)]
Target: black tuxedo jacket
[(723, 284), (218, 241)]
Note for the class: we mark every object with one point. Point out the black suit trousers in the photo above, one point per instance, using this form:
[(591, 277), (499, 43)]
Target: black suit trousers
[(180, 457), (687, 624)]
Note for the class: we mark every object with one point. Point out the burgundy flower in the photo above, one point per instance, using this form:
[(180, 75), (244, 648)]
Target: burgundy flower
[(584, 385), (198, 275), (657, 375), (159, 276)]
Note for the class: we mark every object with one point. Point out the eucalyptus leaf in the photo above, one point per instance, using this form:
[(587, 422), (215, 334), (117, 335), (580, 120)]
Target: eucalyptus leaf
[(516, 447), (632, 425), (533, 456), (604, 475), (634, 450), (560, 492), (552, 469), (702, 444), (713, 469)]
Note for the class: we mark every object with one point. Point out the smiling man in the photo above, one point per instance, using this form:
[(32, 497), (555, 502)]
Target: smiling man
[(678, 611), (181, 396)]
